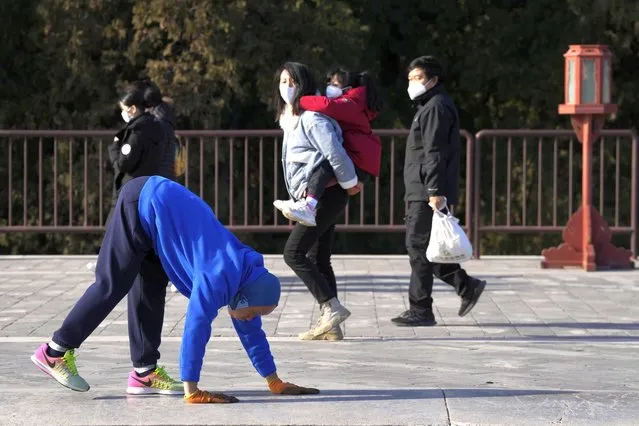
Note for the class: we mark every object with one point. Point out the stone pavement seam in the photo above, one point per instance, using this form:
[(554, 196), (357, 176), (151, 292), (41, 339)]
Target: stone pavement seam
[(446, 406), (177, 323)]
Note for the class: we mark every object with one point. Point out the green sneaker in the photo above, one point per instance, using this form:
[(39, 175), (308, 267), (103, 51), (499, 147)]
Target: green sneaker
[(158, 382), (62, 368)]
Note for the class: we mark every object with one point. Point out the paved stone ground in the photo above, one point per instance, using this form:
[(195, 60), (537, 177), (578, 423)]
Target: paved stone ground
[(541, 347)]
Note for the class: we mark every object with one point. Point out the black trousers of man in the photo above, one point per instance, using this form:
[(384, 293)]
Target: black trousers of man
[(419, 219)]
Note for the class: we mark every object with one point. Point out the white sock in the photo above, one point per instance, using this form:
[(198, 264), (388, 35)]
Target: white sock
[(144, 369), (311, 202), (53, 345), (334, 304)]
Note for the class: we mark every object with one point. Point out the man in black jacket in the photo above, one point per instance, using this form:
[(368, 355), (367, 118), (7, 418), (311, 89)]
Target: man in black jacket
[(431, 178)]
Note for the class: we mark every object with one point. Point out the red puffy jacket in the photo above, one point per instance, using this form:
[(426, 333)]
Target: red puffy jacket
[(351, 112)]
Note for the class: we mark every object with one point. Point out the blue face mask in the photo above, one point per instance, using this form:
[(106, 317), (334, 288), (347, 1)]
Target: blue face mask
[(333, 92), (287, 93)]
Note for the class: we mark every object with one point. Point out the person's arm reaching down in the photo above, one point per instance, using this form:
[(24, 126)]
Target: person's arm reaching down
[(254, 341), (435, 125), (201, 311)]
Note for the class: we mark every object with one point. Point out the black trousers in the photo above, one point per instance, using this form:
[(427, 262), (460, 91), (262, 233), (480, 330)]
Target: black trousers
[(143, 302), (318, 180), (320, 177), (308, 249), (419, 217), (123, 267)]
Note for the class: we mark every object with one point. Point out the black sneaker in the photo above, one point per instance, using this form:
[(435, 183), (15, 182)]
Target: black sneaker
[(412, 318), (468, 303)]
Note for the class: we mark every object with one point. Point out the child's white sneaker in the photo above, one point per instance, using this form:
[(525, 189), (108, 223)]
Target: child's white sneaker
[(282, 204), (300, 212)]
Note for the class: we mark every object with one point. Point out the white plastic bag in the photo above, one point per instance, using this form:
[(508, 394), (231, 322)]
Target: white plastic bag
[(448, 241)]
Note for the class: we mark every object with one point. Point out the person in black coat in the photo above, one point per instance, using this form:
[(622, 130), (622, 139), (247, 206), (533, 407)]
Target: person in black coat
[(139, 147), (142, 148), (171, 166), (431, 178), (161, 108)]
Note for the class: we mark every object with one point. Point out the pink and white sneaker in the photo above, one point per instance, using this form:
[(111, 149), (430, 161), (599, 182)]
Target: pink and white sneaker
[(158, 382), (62, 369)]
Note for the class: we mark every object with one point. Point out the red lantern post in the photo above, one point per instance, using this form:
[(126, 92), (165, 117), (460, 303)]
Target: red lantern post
[(587, 238)]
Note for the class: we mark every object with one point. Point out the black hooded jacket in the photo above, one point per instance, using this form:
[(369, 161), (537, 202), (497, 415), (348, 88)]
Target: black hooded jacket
[(164, 113), (138, 150), (433, 149)]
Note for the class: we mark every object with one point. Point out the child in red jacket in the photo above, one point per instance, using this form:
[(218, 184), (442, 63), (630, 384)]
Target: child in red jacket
[(351, 100)]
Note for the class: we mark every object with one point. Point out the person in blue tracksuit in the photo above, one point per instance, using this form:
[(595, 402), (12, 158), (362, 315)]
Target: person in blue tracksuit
[(207, 264)]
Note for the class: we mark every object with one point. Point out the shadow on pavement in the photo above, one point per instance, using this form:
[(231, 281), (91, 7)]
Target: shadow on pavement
[(529, 338), (350, 395), (579, 325)]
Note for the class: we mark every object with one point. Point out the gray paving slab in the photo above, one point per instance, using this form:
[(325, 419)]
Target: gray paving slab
[(541, 347)]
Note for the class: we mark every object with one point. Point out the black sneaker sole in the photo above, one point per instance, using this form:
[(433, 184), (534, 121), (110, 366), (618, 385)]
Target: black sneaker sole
[(478, 291)]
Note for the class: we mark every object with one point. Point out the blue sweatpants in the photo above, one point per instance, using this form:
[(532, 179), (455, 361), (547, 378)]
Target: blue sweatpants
[(121, 263)]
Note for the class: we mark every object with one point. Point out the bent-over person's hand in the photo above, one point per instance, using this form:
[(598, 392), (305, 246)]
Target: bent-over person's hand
[(206, 397), (278, 387)]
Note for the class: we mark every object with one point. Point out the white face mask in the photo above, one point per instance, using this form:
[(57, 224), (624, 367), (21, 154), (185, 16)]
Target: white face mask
[(416, 89), (333, 92), (126, 117), (287, 93)]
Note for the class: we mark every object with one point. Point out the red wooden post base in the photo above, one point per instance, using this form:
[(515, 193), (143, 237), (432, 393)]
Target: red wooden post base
[(602, 254)]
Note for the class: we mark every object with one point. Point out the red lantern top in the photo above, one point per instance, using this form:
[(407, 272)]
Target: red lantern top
[(588, 80)]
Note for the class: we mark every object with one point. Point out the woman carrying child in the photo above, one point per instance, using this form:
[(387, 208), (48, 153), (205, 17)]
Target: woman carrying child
[(309, 139), (352, 100)]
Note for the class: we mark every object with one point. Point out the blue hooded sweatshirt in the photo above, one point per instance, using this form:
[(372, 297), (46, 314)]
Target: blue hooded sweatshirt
[(207, 264)]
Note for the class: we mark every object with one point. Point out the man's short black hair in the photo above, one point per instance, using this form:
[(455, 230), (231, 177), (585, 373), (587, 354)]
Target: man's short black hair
[(431, 66)]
